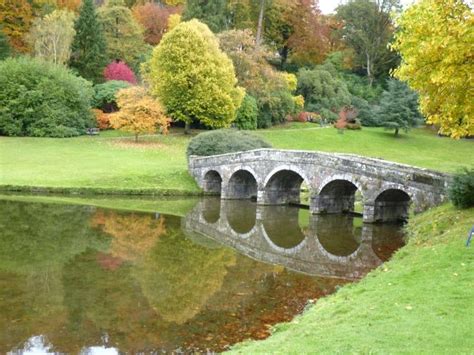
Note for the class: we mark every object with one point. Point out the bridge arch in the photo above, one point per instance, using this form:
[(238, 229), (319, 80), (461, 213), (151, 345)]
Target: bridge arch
[(337, 194), (242, 185), (392, 205), (212, 182), (283, 186)]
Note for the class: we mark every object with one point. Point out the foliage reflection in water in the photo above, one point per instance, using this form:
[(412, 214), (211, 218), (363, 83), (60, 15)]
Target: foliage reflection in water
[(79, 278)]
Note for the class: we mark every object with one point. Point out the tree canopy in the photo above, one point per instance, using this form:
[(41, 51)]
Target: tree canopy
[(435, 41), (88, 48), (193, 78)]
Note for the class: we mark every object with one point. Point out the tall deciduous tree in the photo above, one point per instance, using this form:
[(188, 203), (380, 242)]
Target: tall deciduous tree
[(88, 48), (154, 19), (51, 37), (193, 78), (398, 108), (16, 18), (435, 41), (124, 35), (368, 29)]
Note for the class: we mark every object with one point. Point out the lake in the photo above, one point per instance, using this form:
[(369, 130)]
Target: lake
[(84, 279)]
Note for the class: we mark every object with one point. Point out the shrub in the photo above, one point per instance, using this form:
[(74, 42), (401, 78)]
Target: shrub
[(119, 71), (102, 119), (42, 99), (105, 95), (354, 125), (224, 141), (461, 192), (275, 108), (247, 114)]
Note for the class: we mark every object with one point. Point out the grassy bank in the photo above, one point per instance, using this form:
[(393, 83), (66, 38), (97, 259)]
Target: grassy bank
[(419, 302), (112, 163)]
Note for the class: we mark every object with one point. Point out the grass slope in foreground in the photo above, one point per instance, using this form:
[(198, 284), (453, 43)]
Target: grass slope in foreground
[(113, 163), (419, 302)]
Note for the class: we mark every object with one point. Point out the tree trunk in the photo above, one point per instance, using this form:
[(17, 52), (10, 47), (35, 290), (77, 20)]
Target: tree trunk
[(136, 137), (258, 38), (369, 71), (187, 128), (396, 132)]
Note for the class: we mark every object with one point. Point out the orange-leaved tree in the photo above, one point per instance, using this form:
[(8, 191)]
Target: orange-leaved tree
[(139, 113)]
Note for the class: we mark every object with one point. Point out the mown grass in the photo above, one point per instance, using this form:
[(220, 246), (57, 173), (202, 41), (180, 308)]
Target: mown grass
[(112, 161), (419, 302)]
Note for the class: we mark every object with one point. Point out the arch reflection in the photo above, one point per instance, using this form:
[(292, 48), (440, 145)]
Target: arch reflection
[(281, 225), (339, 235), (241, 215), (331, 245)]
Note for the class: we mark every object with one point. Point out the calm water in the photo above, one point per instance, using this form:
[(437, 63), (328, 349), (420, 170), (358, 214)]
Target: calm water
[(80, 279)]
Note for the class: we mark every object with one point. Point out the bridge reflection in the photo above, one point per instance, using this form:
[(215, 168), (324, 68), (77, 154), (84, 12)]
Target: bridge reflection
[(325, 245)]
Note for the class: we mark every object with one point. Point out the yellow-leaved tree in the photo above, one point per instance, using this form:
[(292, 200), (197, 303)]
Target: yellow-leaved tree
[(435, 39), (193, 78), (139, 113)]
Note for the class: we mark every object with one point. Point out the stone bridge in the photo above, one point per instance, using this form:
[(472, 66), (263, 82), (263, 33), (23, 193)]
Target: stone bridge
[(275, 177), (273, 234)]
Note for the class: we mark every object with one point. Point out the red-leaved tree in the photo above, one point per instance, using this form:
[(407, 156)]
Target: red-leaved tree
[(119, 71), (154, 19)]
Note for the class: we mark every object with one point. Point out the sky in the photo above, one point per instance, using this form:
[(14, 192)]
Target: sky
[(328, 6)]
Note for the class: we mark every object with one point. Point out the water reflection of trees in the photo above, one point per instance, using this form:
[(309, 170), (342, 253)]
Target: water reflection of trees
[(133, 233), (138, 278)]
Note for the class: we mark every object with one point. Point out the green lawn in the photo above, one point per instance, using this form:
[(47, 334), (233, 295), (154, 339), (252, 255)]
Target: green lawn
[(111, 162), (419, 302)]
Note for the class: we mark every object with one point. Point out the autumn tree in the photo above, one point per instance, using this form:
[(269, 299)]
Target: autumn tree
[(268, 86), (367, 29), (51, 37), (154, 19), (124, 35), (139, 113), (435, 41), (398, 108), (16, 18), (310, 40), (88, 48), (119, 71), (193, 78)]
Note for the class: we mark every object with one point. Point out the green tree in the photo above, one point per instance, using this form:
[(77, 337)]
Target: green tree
[(124, 35), (323, 91), (193, 78), (367, 30), (247, 113), (4, 45), (435, 41), (212, 12), (51, 37), (398, 107), (88, 48)]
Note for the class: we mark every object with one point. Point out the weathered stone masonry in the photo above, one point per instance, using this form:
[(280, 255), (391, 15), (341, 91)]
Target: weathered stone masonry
[(274, 177)]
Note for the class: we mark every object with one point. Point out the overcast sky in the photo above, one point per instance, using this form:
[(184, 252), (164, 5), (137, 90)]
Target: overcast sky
[(328, 6)]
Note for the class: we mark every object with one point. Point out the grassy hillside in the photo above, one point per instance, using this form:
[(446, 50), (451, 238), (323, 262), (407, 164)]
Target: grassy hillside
[(113, 162), (419, 302)]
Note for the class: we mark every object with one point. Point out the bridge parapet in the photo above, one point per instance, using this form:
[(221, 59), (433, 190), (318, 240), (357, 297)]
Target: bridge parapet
[(275, 176)]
